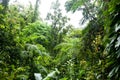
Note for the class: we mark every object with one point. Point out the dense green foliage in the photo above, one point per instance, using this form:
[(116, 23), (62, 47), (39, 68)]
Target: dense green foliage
[(59, 51)]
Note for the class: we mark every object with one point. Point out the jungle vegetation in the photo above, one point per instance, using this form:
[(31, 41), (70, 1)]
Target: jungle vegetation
[(58, 51)]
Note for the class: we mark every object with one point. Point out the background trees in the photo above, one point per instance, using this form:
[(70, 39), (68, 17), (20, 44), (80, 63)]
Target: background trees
[(99, 33), (59, 27)]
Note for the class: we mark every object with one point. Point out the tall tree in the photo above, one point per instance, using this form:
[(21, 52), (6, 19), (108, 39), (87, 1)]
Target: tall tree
[(36, 11), (59, 26)]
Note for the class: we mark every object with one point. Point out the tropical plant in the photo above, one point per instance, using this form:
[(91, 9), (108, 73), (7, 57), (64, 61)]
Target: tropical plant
[(113, 48)]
